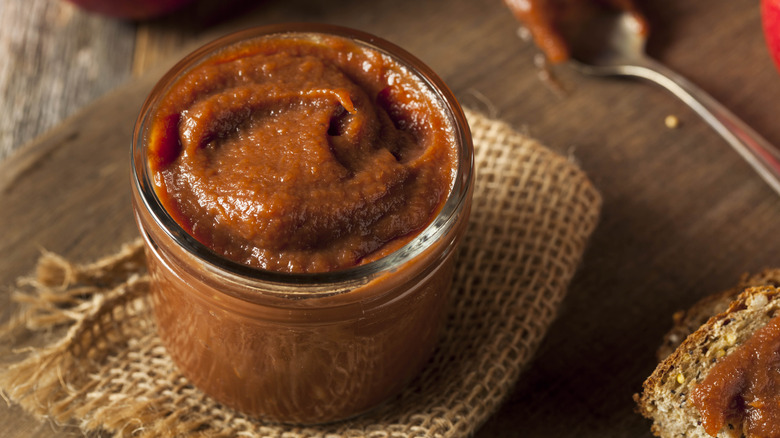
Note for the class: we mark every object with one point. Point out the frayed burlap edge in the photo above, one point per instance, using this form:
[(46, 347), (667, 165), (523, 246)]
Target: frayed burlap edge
[(532, 214)]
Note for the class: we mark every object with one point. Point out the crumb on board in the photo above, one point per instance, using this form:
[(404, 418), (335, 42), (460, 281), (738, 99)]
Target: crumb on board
[(672, 121)]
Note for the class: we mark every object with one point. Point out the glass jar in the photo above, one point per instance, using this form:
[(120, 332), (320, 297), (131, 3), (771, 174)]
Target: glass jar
[(310, 347)]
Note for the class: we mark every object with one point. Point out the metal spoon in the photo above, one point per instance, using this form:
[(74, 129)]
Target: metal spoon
[(615, 46)]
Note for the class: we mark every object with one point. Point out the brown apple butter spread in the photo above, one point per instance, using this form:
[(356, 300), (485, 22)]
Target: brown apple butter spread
[(552, 22), (300, 154), (309, 151), (743, 388)]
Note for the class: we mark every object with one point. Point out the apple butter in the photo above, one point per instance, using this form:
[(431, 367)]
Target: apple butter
[(743, 388), (553, 23), (301, 155), (301, 190)]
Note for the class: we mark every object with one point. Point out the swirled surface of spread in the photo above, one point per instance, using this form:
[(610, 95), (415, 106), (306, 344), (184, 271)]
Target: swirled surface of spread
[(300, 153)]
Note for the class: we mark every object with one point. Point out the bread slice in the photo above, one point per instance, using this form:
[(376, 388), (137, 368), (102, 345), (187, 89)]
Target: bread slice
[(664, 398), (686, 322)]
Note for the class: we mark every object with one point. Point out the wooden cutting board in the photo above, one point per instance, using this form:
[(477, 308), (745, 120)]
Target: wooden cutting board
[(683, 215)]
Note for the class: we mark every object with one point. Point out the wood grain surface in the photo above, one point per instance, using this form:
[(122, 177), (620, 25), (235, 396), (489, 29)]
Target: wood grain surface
[(683, 216), (55, 59)]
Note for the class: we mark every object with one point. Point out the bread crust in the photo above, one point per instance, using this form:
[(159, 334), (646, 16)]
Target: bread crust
[(664, 397), (686, 322)]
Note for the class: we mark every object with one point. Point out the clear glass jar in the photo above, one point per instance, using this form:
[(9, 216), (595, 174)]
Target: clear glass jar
[(301, 348)]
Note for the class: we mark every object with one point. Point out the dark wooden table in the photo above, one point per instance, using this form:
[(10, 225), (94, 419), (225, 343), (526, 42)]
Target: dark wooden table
[(683, 215)]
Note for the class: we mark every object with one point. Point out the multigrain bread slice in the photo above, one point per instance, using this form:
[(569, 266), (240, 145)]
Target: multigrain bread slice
[(664, 398), (686, 322)]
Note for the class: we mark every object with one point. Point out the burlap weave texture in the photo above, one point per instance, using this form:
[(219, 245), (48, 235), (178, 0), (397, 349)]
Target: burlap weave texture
[(532, 214)]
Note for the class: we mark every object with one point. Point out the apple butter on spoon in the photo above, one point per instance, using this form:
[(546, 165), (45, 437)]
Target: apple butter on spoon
[(551, 22)]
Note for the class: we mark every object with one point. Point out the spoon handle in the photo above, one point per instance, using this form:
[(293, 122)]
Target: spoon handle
[(758, 152)]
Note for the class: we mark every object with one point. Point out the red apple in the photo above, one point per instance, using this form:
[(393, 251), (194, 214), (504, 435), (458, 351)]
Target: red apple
[(131, 9), (770, 19)]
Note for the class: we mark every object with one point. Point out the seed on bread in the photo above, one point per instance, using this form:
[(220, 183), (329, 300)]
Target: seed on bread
[(685, 322)]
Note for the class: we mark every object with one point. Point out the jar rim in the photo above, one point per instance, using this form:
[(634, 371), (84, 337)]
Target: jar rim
[(440, 226)]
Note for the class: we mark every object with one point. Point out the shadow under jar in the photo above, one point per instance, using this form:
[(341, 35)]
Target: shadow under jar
[(301, 190)]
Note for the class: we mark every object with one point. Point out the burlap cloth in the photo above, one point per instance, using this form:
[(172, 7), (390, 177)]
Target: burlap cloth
[(108, 373)]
